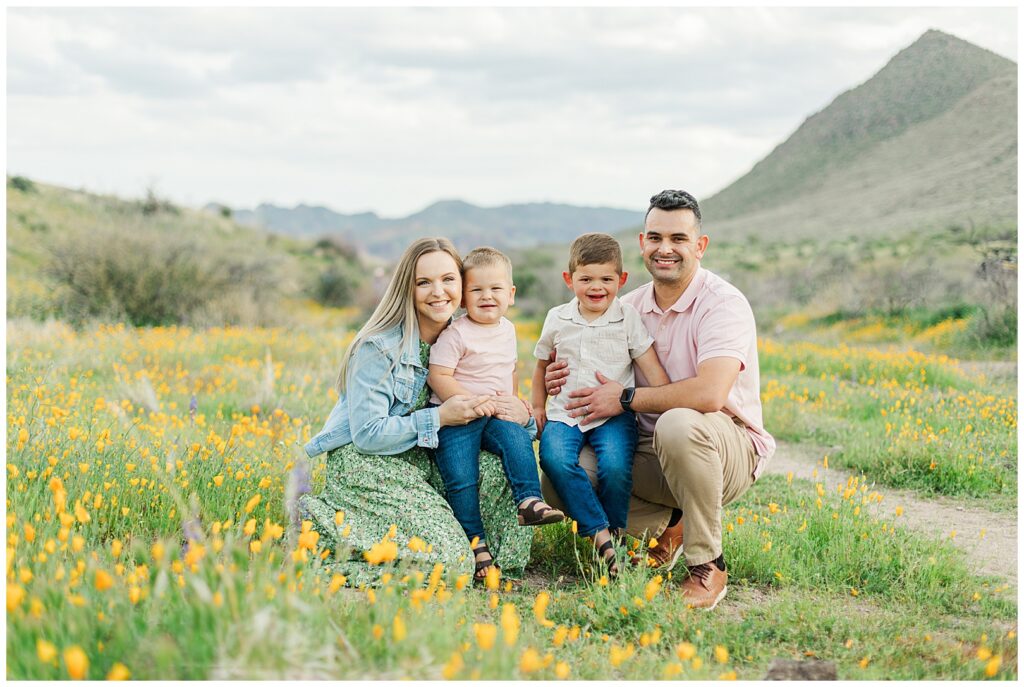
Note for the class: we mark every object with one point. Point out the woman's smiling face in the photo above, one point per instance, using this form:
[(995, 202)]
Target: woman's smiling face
[(437, 292)]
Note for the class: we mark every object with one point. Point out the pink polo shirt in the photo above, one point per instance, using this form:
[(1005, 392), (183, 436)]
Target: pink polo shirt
[(711, 319)]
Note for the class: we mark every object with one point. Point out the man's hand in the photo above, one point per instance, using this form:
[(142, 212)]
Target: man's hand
[(555, 374), (595, 402)]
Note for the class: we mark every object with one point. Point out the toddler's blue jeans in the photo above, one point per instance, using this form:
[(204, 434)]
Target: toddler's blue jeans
[(458, 459)]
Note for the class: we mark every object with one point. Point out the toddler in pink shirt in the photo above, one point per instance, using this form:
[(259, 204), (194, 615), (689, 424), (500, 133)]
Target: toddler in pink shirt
[(476, 354)]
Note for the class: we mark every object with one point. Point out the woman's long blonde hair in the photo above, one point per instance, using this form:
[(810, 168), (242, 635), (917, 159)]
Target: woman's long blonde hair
[(398, 306)]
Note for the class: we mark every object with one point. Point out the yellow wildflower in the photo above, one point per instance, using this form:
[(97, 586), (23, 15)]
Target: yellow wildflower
[(540, 606), (15, 595), (530, 661), (46, 652), (721, 654), (509, 624), (81, 514), (103, 580), (652, 587), (337, 582), (381, 552), (485, 634), (76, 662), (118, 671), (617, 654), (453, 666), (398, 630), (685, 650)]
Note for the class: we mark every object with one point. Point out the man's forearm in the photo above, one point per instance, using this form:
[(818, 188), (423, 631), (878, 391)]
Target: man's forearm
[(687, 393)]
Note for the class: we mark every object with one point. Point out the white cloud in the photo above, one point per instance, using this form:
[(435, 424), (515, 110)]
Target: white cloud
[(391, 109)]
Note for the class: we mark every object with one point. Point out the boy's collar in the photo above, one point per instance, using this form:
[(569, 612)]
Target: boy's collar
[(571, 311)]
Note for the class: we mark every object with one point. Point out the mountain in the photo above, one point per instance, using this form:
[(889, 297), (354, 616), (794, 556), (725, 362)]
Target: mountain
[(467, 225), (928, 142)]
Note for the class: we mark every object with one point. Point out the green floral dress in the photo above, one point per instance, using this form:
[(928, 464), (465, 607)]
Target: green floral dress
[(406, 491)]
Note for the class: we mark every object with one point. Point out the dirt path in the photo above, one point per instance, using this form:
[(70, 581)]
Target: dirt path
[(995, 552)]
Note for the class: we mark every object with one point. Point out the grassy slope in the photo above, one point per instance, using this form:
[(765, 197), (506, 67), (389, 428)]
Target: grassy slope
[(50, 214), (940, 115)]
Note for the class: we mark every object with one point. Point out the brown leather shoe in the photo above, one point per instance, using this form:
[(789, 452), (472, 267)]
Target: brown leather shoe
[(669, 548), (705, 586)]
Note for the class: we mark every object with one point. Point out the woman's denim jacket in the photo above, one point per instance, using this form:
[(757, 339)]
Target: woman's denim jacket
[(373, 413)]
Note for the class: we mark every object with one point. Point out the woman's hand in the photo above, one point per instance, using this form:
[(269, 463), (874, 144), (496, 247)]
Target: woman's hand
[(461, 410), (511, 409)]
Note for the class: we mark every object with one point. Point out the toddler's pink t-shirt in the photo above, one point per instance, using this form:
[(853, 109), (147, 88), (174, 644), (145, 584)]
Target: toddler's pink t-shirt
[(483, 356)]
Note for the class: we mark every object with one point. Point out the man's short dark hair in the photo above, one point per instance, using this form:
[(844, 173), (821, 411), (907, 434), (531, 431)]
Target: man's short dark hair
[(674, 200)]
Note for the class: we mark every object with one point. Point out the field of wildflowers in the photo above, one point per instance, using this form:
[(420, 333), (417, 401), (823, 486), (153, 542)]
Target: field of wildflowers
[(150, 535), (905, 418)]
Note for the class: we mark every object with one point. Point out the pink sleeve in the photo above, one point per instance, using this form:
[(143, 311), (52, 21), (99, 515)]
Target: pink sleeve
[(449, 348), (726, 331)]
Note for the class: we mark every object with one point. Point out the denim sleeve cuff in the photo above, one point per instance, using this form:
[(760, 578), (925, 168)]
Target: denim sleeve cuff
[(312, 448), (428, 422)]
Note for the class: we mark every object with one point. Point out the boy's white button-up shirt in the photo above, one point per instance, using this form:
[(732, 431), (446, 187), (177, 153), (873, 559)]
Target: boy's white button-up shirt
[(607, 345)]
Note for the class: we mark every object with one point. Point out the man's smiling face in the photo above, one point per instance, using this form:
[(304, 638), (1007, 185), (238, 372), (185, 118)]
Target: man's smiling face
[(672, 245)]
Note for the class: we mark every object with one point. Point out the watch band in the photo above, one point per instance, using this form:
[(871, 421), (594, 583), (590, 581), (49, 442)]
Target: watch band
[(626, 397)]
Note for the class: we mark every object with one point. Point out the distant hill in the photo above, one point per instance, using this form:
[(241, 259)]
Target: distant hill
[(467, 225), (928, 142)]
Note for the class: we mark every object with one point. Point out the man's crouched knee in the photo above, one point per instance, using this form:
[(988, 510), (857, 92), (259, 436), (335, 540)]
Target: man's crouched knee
[(677, 432)]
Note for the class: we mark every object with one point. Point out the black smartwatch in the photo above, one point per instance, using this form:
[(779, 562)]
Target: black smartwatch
[(626, 398)]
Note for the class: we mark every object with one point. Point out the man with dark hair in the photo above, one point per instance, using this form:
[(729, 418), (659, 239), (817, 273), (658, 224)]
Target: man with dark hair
[(702, 440)]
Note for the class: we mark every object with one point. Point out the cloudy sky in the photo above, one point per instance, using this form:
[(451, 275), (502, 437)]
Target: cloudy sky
[(392, 109)]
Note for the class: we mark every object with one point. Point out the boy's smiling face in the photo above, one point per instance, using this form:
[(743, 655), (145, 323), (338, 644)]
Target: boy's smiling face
[(487, 293), (595, 285)]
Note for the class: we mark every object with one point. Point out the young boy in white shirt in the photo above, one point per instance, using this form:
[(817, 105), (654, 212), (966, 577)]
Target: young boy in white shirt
[(594, 332)]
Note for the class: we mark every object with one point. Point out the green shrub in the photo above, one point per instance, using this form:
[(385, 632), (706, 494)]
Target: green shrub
[(22, 184), (149, 278), (335, 287)]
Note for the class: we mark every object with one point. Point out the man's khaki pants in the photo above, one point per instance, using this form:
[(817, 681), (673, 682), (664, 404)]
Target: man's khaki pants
[(696, 462)]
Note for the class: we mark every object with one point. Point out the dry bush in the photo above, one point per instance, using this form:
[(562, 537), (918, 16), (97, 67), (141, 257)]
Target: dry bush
[(148, 277)]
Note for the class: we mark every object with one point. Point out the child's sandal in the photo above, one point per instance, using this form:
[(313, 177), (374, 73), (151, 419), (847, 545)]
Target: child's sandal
[(607, 553), (482, 566), (537, 512)]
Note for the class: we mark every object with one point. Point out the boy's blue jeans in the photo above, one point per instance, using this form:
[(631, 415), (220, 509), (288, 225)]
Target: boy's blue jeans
[(458, 459), (614, 443)]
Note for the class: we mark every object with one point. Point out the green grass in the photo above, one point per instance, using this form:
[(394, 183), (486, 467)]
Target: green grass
[(235, 610), (905, 418)]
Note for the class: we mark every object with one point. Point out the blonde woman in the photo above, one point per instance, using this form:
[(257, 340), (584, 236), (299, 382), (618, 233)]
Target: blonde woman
[(379, 470)]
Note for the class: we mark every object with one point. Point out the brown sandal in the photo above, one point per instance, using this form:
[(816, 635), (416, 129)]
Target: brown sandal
[(482, 566), (607, 553), (536, 512)]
